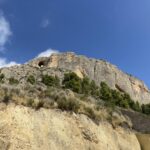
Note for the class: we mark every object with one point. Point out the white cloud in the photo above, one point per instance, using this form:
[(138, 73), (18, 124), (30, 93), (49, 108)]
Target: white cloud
[(5, 63), (47, 53), (5, 31), (45, 23)]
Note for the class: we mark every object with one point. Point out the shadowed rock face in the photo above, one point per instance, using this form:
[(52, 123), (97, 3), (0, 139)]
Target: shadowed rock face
[(140, 122), (97, 70)]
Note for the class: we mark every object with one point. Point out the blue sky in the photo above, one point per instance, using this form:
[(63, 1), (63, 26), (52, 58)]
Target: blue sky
[(115, 30)]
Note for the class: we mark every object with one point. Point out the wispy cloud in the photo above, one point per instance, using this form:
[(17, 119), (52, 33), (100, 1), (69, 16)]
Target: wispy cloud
[(5, 63), (47, 53), (45, 23), (5, 33)]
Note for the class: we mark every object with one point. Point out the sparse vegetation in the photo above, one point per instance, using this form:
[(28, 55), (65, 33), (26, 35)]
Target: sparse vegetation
[(72, 81), (30, 102), (90, 113), (146, 109), (6, 99), (82, 86), (2, 76), (55, 96), (68, 104), (86, 86), (94, 89), (117, 98), (51, 80), (112, 98), (39, 105), (31, 79), (13, 81)]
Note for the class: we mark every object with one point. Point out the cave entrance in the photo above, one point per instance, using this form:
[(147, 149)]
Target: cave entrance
[(41, 64)]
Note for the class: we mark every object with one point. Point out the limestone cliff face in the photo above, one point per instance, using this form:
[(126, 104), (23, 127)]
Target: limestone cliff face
[(22, 128), (97, 70)]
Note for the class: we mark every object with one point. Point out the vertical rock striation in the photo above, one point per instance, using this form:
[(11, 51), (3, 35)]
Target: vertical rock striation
[(98, 70)]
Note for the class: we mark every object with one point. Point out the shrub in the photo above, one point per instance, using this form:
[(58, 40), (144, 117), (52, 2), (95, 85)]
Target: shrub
[(73, 82), (124, 104), (90, 113), (111, 104), (136, 106), (2, 76), (31, 79), (13, 81), (6, 99), (94, 89), (39, 105), (82, 86), (146, 109), (50, 80), (116, 98), (30, 102), (68, 105), (105, 92), (86, 86)]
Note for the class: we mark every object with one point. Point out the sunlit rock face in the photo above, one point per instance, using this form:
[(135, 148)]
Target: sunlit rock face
[(22, 128), (98, 70)]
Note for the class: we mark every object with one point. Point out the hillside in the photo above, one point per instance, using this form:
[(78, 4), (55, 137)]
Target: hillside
[(67, 101), (97, 70), (25, 129)]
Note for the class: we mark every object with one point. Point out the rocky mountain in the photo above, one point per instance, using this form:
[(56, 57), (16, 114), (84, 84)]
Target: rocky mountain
[(39, 112), (97, 70)]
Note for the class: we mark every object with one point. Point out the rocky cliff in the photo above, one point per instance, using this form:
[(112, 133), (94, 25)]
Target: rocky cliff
[(36, 116), (22, 128), (98, 70)]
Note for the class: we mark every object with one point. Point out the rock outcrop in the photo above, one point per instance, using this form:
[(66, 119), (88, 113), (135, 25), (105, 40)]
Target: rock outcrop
[(22, 128), (98, 70), (42, 126)]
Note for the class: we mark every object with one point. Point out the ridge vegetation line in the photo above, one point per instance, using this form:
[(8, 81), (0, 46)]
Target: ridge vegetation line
[(109, 97)]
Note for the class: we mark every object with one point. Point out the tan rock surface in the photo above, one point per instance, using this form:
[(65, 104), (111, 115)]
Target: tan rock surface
[(98, 70), (22, 128)]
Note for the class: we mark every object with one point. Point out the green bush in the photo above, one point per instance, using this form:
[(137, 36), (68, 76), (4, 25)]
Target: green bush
[(94, 89), (124, 104), (117, 98), (73, 82), (86, 86), (105, 92), (13, 81), (136, 107), (31, 79), (30, 102), (90, 87), (146, 109), (2, 76), (111, 97), (68, 105), (6, 99), (50, 80), (82, 86)]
